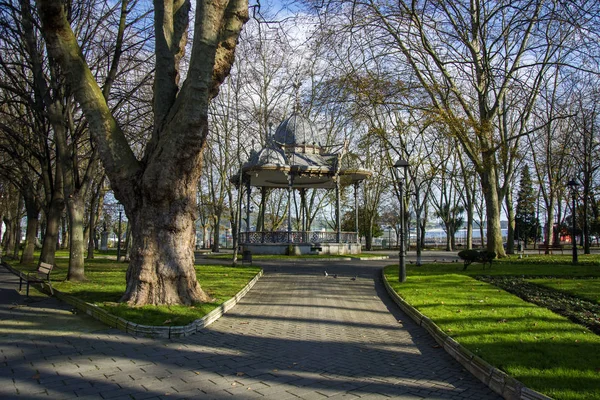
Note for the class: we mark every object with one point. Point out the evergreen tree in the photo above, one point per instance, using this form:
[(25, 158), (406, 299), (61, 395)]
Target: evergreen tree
[(526, 223)]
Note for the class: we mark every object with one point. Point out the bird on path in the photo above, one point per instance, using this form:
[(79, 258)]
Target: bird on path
[(353, 278), (325, 273)]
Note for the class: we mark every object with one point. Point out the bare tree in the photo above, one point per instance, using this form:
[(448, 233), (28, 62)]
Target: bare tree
[(586, 107), (159, 190), (466, 56)]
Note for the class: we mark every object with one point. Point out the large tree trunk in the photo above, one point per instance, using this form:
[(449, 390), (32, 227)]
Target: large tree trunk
[(17, 228), (33, 215), (492, 207), (53, 217), (158, 192), (161, 269), (76, 212), (8, 238), (95, 212)]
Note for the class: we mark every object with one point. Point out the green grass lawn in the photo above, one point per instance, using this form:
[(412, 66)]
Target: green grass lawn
[(106, 284), (302, 257), (545, 351), (588, 289)]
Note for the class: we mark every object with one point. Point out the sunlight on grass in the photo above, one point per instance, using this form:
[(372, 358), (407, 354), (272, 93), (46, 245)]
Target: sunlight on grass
[(545, 351), (588, 289), (106, 284), (301, 257)]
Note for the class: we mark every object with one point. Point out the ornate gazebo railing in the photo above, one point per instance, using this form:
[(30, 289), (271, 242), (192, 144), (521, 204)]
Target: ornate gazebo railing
[(298, 237)]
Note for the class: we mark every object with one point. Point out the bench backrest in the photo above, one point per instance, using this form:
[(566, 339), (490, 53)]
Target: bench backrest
[(44, 270)]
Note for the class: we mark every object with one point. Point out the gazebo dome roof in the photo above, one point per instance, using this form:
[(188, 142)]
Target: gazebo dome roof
[(270, 156), (294, 156), (296, 130)]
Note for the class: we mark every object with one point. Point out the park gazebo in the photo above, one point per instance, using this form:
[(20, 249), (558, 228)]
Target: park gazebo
[(295, 159)]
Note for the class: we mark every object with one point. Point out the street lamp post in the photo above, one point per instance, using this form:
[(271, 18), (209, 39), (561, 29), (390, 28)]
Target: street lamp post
[(573, 185), (401, 165), (120, 208)]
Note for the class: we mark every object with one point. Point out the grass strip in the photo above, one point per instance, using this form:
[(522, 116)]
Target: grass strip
[(577, 309), (105, 284), (588, 289), (545, 351), (301, 257)]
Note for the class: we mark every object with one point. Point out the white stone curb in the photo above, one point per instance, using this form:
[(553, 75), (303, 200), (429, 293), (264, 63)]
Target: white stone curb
[(156, 331)]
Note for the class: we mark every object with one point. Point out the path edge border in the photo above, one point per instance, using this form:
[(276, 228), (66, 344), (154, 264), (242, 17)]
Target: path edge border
[(148, 330), (497, 380)]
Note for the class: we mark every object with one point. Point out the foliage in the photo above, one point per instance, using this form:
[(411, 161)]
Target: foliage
[(452, 218), (364, 224), (526, 223), (545, 351)]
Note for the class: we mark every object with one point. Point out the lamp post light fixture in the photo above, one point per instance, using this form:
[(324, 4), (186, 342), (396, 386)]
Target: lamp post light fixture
[(401, 165), (120, 208), (572, 184)]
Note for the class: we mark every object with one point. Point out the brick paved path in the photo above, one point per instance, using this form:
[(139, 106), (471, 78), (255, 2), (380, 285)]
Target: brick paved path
[(297, 335)]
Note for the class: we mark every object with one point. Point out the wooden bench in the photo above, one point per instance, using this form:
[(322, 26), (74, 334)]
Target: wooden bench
[(550, 248), (42, 275)]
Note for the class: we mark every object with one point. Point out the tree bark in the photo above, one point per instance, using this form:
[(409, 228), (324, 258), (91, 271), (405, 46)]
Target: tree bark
[(16, 225), (161, 269), (8, 238), (33, 215), (76, 212), (492, 206), (158, 192), (92, 221), (53, 216)]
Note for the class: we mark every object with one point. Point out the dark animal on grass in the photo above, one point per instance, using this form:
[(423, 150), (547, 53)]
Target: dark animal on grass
[(480, 256)]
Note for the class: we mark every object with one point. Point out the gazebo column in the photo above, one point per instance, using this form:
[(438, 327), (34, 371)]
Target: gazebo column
[(261, 213), (248, 193), (290, 179), (338, 218), (303, 213), (356, 211)]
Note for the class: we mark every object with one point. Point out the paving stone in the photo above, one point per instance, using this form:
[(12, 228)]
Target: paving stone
[(297, 334)]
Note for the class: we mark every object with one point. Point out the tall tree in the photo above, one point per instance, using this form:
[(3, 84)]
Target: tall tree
[(467, 56), (158, 191), (526, 222)]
